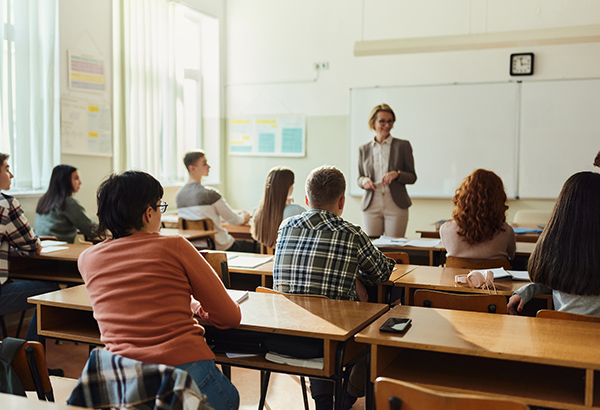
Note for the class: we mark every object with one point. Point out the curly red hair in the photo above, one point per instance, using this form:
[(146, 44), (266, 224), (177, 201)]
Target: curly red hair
[(480, 206)]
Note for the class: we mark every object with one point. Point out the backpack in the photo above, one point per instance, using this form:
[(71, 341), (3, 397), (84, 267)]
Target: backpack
[(9, 380)]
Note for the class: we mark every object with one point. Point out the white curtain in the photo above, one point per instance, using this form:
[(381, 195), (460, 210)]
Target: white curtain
[(30, 112), (148, 93)]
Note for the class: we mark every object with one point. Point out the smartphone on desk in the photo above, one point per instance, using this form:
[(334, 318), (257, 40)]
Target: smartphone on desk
[(396, 325)]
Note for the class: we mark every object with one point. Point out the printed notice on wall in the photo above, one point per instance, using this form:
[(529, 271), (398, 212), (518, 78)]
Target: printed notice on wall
[(86, 73), (277, 135), (85, 127)]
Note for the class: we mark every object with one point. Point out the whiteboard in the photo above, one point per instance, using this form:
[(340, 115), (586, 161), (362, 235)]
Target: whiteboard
[(560, 134), (453, 129)]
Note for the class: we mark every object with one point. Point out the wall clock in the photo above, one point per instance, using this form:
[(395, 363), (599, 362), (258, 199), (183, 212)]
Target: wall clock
[(521, 64)]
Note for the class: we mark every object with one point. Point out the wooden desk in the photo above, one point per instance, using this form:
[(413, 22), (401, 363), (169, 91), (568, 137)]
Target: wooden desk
[(431, 232), (442, 279), (189, 234), (67, 314), (238, 231), (9, 401), (546, 362)]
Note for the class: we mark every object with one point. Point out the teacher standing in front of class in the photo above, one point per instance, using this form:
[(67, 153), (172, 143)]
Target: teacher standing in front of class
[(385, 166)]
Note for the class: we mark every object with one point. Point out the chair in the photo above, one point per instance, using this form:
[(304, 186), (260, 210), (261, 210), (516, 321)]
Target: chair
[(398, 257), (472, 263), (266, 250), (205, 224), (458, 301), (267, 374), (531, 218), (30, 365), (395, 394), (555, 314), (218, 261), (19, 326)]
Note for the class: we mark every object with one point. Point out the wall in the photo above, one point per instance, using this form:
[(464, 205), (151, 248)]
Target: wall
[(272, 45)]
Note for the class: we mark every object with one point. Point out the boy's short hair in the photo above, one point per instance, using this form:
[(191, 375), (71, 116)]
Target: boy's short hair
[(324, 186), (3, 157), (191, 157)]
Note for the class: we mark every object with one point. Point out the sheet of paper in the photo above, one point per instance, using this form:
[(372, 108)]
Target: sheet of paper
[(519, 275), (52, 243), (388, 241), (240, 261), (49, 249), (423, 243)]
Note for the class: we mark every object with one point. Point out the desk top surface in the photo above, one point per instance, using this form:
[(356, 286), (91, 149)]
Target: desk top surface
[(517, 338), (432, 232), (441, 278), (10, 401), (285, 314)]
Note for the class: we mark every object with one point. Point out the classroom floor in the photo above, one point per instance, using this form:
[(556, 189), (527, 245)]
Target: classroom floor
[(284, 390)]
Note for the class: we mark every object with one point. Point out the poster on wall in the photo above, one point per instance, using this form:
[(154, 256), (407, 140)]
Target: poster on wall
[(275, 135), (86, 73), (85, 127)]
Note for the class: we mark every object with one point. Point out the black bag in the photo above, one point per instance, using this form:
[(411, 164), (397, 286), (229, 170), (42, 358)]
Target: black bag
[(9, 381)]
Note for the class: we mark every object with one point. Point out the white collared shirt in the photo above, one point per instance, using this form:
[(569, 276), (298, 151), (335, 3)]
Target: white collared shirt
[(381, 161)]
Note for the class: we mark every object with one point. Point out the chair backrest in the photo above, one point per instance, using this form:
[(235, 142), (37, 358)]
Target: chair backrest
[(394, 394), (458, 301), (471, 263), (398, 257), (531, 218), (205, 224), (262, 289), (218, 261), (266, 250), (30, 365), (555, 314)]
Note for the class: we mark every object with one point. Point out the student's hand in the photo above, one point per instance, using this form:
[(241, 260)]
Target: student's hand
[(368, 183), (389, 177), (246, 216), (361, 291), (38, 251), (515, 305), (289, 200)]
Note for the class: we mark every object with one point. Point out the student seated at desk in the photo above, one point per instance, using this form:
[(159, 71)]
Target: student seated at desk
[(566, 258), (275, 206), (195, 202), (319, 253), (478, 227), (58, 213), (16, 232), (141, 283)]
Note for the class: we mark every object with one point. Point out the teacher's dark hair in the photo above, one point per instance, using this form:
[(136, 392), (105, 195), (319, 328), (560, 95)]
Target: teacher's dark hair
[(59, 189), (123, 199), (566, 256)]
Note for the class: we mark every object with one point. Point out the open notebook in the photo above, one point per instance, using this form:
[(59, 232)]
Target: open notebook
[(501, 273)]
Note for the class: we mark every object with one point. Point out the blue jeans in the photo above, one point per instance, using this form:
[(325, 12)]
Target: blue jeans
[(13, 298), (220, 393)]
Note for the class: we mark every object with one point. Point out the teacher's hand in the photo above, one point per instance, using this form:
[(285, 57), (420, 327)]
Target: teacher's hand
[(368, 183), (389, 177)]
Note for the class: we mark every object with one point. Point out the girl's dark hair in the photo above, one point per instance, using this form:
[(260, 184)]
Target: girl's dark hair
[(269, 214), (123, 199), (480, 206), (59, 189), (566, 257)]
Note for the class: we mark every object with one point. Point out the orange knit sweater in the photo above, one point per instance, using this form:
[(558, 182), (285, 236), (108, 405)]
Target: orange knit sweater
[(140, 288)]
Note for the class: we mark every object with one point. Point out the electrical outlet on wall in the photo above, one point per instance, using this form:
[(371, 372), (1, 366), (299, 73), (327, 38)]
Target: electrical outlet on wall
[(322, 65)]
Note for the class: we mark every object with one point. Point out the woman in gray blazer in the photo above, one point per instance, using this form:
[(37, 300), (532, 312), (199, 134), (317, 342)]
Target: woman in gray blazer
[(385, 166)]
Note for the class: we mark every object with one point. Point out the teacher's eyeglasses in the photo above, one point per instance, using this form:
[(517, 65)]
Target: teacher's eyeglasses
[(163, 207)]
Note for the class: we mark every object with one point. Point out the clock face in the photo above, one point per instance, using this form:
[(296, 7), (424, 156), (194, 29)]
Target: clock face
[(521, 64)]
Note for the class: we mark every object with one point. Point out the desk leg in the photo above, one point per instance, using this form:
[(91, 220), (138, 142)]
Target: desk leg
[(264, 385), (338, 398), (369, 393), (263, 281)]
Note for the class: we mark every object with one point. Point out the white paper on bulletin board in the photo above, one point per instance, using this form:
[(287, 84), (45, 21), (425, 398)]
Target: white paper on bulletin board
[(86, 73), (276, 135), (85, 127)]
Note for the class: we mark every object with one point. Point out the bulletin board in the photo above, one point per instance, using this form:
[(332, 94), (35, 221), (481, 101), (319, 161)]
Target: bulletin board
[(276, 135), (85, 127)]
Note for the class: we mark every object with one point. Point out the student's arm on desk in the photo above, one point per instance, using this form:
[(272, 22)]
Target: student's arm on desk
[(77, 216), (375, 267), (523, 295), (229, 215), (210, 299)]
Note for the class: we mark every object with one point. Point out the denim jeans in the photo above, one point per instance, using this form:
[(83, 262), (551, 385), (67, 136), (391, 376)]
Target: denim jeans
[(13, 298), (220, 393)]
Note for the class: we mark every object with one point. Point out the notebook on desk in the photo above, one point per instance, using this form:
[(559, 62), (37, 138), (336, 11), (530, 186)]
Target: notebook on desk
[(501, 273)]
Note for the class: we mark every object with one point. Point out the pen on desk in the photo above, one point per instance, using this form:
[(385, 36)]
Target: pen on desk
[(243, 297)]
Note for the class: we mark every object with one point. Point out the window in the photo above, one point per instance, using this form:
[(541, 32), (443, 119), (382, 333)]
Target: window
[(29, 109), (170, 87)]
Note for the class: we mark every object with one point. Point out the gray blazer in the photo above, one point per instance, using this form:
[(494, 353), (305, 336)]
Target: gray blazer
[(401, 159)]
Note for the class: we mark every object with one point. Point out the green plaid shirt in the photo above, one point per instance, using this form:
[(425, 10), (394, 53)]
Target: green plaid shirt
[(318, 253)]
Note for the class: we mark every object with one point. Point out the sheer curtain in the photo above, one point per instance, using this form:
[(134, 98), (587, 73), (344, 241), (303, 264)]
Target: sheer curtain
[(29, 107), (148, 94)]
